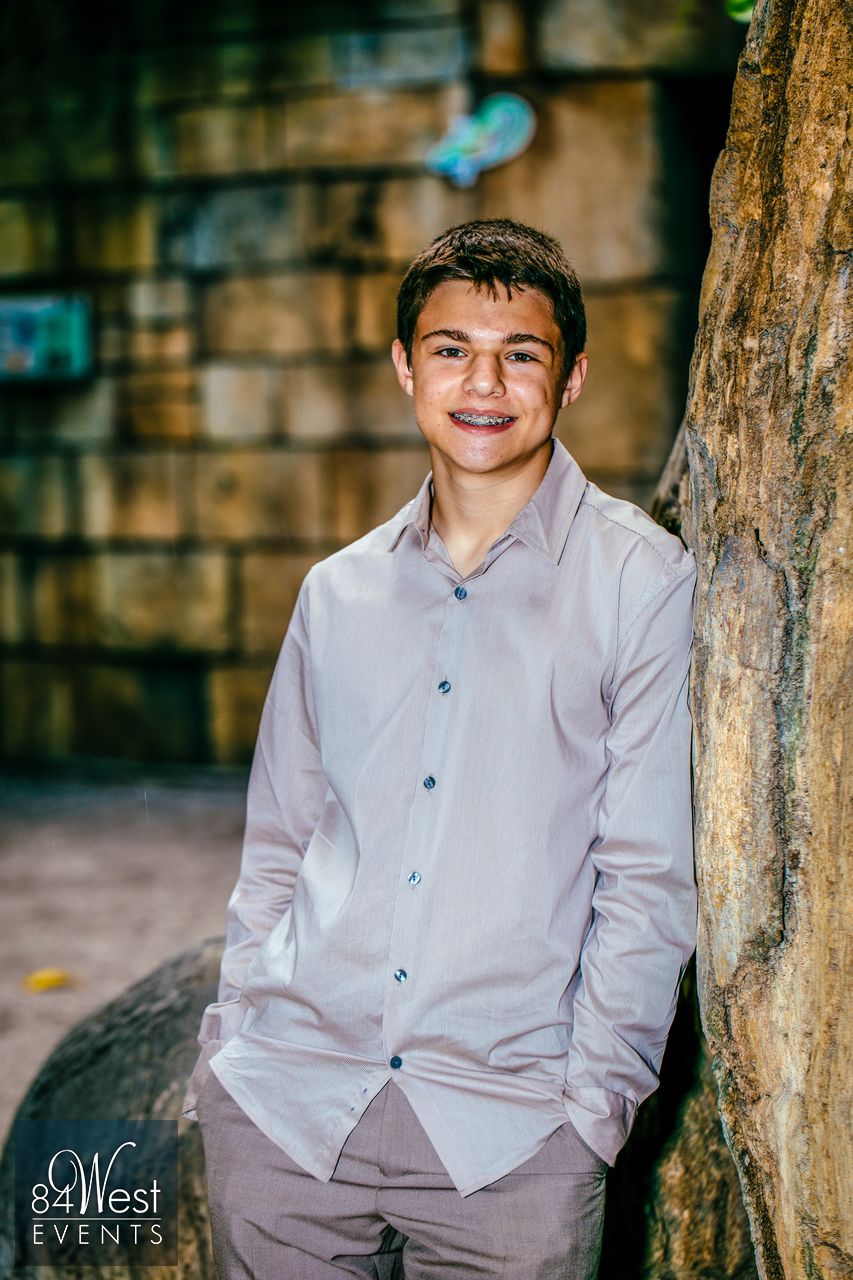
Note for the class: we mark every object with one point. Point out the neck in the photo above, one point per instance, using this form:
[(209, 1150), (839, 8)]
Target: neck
[(470, 512)]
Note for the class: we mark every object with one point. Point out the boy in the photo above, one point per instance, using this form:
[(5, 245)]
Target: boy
[(466, 898)]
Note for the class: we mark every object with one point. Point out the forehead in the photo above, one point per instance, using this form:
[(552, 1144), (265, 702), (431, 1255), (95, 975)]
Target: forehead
[(460, 304)]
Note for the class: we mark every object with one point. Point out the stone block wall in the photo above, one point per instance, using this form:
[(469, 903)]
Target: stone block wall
[(238, 190)]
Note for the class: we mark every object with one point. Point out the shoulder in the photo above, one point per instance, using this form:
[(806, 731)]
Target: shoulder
[(644, 558), (632, 534), (358, 560)]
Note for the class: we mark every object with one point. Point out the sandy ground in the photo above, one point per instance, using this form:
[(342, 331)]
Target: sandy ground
[(104, 872)]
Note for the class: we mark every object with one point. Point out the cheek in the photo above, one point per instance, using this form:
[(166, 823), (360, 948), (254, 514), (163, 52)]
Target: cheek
[(538, 395), (431, 391), (429, 401)]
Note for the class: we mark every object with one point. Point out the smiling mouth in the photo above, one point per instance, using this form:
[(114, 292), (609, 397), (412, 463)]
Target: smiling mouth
[(482, 419)]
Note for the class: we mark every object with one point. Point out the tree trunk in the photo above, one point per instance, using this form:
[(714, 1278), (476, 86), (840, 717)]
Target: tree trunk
[(770, 474)]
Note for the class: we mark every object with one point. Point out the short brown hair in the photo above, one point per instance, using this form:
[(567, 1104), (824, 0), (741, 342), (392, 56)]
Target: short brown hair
[(492, 251)]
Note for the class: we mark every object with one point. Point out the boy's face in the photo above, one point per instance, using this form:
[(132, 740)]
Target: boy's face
[(486, 376)]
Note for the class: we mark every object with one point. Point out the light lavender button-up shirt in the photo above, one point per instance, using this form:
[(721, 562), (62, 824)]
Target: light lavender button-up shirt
[(468, 858)]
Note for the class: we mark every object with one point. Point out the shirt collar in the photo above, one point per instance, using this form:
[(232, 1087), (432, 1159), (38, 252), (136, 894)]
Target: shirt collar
[(543, 523)]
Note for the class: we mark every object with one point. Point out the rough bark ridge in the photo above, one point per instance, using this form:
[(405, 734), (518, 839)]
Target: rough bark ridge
[(770, 479)]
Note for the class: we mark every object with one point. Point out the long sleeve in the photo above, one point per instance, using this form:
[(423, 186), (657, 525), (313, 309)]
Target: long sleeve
[(283, 805), (643, 927)]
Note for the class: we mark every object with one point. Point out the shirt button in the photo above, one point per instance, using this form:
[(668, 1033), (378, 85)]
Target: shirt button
[(444, 687), (395, 1062), (429, 782), (460, 593), (400, 975), (415, 877)]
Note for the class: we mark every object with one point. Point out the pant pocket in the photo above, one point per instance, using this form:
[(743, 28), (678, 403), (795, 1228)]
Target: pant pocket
[(581, 1158)]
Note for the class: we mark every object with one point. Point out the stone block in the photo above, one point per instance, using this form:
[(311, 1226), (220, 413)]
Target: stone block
[(159, 404), (110, 298), (33, 496), (16, 482), (85, 131), (591, 177), (50, 497), (298, 62), (502, 37), (269, 584), (107, 710), (109, 295), (62, 599), (235, 697), (404, 11), (159, 300), (27, 237), (222, 139), (112, 343), (367, 127), (358, 399), (265, 493), (233, 226), (234, 69), (376, 310), (186, 73), (165, 344), (154, 711), (413, 211), (634, 35), (237, 400), (280, 315), (366, 60), (36, 710), (113, 231), (371, 486), (233, 19), (161, 386), (133, 495), (26, 157), (73, 415), (339, 222), (175, 421), (162, 600), (639, 345), (12, 627)]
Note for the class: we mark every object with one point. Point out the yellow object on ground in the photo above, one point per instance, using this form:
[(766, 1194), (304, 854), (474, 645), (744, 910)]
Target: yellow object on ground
[(47, 979)]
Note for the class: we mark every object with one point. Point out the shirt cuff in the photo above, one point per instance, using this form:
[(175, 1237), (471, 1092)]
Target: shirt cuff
[(201, 1071), (219, 1023), (602, 1118)]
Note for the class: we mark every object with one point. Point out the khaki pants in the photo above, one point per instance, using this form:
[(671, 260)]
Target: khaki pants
[(271, 1220)]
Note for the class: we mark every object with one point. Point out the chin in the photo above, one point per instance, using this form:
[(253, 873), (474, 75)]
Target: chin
[(481, 464)]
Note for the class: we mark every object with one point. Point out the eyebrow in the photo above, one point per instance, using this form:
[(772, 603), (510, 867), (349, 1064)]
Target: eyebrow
[(509, 339)]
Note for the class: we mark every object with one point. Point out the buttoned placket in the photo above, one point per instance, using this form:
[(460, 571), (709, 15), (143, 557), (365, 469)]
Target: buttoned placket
[(418, 861)]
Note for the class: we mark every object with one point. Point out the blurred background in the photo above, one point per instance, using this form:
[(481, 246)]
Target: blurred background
[(219, 200), (236, 188)]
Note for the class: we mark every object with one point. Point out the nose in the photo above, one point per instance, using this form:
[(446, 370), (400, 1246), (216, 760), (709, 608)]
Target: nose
[(484, 376)]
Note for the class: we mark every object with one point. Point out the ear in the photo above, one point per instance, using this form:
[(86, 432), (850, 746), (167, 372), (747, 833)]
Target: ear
[(401, 364), (575, 381)]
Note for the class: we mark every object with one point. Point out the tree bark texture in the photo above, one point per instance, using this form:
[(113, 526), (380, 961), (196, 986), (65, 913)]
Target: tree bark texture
[(770, 482)]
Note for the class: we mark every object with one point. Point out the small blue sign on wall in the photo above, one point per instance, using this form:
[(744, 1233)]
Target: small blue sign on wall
[(45, 339)]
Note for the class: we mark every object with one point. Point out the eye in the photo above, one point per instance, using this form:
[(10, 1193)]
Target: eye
[(450, 352), (521, 357)]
